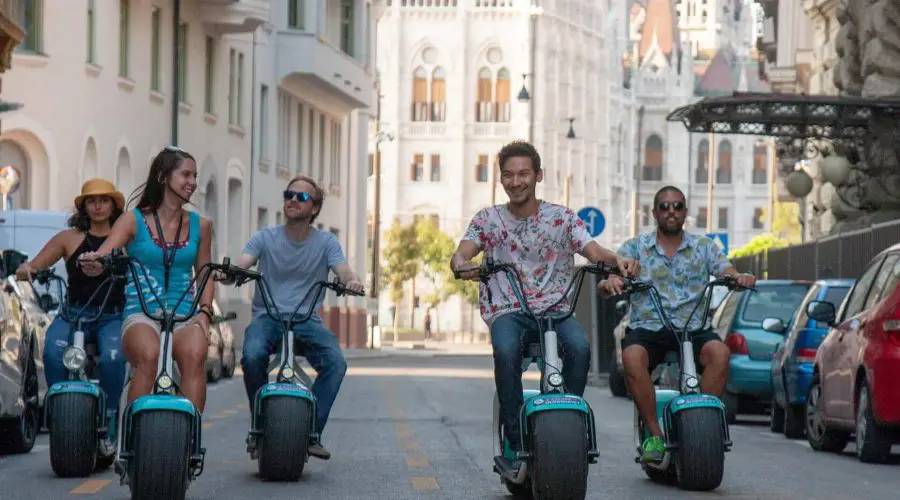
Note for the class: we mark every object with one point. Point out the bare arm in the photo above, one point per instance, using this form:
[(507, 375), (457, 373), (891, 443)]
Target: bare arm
[(465, 252), (204, 255), (345, 274), (54, 250), (596, 253), (121, 234), (245, 261)]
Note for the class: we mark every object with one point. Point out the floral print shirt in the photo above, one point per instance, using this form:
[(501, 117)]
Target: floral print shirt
[(541, 247), (680, 278)]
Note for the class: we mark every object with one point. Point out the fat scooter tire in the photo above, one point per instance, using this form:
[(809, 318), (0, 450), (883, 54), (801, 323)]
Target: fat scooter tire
[(700, 457), (284, 443), (160, 466), (518, 490), (73, 434), (559, 462)]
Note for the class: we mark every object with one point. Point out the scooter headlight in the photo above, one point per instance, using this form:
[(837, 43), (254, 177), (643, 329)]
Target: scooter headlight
[(287, 373), (165, 382), (692, 383), (74, 358), (555, 379)]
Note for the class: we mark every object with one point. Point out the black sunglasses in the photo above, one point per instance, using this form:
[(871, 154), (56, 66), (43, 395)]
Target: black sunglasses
[(664, 206), (296, 195)]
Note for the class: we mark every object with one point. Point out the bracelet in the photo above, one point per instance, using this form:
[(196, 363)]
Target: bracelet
[(207, 313)]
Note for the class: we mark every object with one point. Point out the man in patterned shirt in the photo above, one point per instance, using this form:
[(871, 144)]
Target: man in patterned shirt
[(679, 264), (540, 239)]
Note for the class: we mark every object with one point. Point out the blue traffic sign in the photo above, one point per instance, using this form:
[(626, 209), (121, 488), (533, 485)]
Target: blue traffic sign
[(593, 219), (720, 239)]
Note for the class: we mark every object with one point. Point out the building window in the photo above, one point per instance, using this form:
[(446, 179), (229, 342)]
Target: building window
[(701, 172), (240, 90), (32, 21), (124, 37), (653, 159), (438, 95), (701, 218), (296, 14), (311, 136), (155, 26), (760, 164), (347, 26), (91, 32), (758, 218), (645, 215), (263, 123), (484, 105), (435, 220), (429, 98), (336, 133), (209, 74), (482, 172), (301, 118), (723, 217), (420, 95), (235, 88), (183, 63), (417, 169), (372, 163), (435, 168), (723, 171), (278, 218), (501, 96), (262, 217), (284, 129), (322, 150)]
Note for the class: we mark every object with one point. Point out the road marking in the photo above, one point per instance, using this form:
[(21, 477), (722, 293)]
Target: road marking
[(411, 446), (207, 426), (405, 435), (403, 426), (418, 372), (229, 412), (427, 483), (416, 461), (90, 487)]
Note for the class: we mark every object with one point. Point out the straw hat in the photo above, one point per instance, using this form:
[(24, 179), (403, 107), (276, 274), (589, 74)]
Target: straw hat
[(100, 187)]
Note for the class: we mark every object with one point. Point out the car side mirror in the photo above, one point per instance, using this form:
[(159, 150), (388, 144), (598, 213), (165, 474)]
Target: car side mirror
[(822, 311), (47, 302), (774, 325)]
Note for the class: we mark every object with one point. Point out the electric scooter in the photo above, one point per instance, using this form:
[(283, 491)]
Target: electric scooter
[(159, 443), (694, 426), (556, 428), (283, 419), (76, 413)]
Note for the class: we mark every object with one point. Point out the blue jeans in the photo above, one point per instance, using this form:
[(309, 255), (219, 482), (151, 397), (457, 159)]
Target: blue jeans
[(507, 334), (106, 331), (318, 345)]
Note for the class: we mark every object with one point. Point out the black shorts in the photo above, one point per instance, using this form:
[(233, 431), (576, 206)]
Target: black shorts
[(660, 342)]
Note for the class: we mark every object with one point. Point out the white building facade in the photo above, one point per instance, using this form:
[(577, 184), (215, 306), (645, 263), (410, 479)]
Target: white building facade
[(267, 90), (450, 73)]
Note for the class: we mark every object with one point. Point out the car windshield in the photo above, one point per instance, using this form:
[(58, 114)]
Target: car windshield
[(774, 301)]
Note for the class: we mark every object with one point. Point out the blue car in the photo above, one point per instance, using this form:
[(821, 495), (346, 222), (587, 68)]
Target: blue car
[(739, 323), (792, 364)]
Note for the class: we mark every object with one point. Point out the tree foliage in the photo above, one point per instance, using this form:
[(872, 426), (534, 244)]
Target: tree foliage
[(401, 259), (786, 231), (435, 250), (759, 244)]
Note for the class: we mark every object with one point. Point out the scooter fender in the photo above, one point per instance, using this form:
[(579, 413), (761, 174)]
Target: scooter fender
[(79, 386), (284, 389), (689, 401), (162, 402), (555, 402)]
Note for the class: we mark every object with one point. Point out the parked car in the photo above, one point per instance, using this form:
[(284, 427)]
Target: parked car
[(220, 358), (24, 319), (792, 363), (854, 387), (616, 374), (739, 322)]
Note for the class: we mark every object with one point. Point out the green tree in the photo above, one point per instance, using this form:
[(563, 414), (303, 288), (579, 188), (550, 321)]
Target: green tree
[(759, 244), (401, 256), (786, 230), (436, 248)]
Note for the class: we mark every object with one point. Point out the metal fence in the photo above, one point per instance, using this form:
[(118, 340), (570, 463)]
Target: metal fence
[(841, 256)]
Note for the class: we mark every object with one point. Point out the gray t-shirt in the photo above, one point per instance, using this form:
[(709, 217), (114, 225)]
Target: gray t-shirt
[(291, 268)]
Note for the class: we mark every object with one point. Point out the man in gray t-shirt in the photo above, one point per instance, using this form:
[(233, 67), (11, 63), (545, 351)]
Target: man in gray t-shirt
[(292, 258)]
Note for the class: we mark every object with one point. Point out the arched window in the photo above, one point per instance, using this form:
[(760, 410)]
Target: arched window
[(438, 95), (701, 170), (501, 96), (483, 96), (723, 171), (653, 159), (420, 95), (760, 163)]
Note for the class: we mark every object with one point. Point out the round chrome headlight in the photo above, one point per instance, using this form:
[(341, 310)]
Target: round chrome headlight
[(692, 383), (165, 382), (555, 379), (74, 358), (287, 373)]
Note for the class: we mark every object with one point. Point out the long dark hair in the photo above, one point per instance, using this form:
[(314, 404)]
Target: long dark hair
[(150, 194), (80, 220)]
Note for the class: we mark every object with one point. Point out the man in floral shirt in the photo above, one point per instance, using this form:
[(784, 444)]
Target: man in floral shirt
[(680, 265), (540, 239)]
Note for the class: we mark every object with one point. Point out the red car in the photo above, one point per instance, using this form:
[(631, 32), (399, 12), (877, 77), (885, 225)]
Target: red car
[(855, 387)]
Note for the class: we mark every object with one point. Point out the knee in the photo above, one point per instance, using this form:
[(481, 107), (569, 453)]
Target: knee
[(192, 356), (579, 349), (146, 359), (716, 354), (337, 364), (635, 360), (254, 353), (112, 357)]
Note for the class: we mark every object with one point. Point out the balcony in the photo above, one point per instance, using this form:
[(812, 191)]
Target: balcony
[(11, 33), (423, 130), (233, 16)]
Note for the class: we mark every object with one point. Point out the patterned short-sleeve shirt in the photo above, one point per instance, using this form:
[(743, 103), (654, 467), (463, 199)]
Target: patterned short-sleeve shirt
[(680, 278), (542, 248)]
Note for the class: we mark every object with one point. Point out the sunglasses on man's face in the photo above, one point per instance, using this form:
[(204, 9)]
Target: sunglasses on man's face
[(296, 195), (664, 206)]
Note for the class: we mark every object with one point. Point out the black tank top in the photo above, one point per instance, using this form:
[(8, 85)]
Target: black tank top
[(82, 286)]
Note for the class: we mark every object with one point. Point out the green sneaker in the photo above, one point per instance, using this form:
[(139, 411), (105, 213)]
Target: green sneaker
[(654, 450), (508, 453)]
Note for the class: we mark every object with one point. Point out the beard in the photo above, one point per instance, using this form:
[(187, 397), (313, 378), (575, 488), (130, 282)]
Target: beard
[(669, 231)]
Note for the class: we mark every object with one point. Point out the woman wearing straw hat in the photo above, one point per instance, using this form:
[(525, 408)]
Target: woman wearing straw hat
[(96, 209)]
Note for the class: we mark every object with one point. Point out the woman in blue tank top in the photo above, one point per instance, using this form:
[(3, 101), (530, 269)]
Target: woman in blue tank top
[(171, 244)]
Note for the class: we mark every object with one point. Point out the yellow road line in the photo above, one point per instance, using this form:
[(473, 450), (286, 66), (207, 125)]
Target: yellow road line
[(411, 446), (416, 461), (424, 483), (90, 487), (207, 426), (405, 435)]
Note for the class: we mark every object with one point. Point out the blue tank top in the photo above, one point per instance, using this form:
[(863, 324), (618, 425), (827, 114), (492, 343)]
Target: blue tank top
[(149, 254)]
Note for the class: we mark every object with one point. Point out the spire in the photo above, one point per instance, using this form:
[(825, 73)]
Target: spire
[(659, 27)]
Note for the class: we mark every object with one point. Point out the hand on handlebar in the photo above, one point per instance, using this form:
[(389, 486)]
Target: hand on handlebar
[(612, 286), (91, 264), (354, 286), (25, 271), (467, 271), (745, 280), (629, 267)]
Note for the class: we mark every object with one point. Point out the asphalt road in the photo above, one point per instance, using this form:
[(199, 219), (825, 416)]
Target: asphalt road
[(412, 426)]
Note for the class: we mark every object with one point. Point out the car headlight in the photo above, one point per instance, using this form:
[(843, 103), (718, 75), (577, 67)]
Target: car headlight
[(74, 358), (287, 373), (165, 382), (555, 379)]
